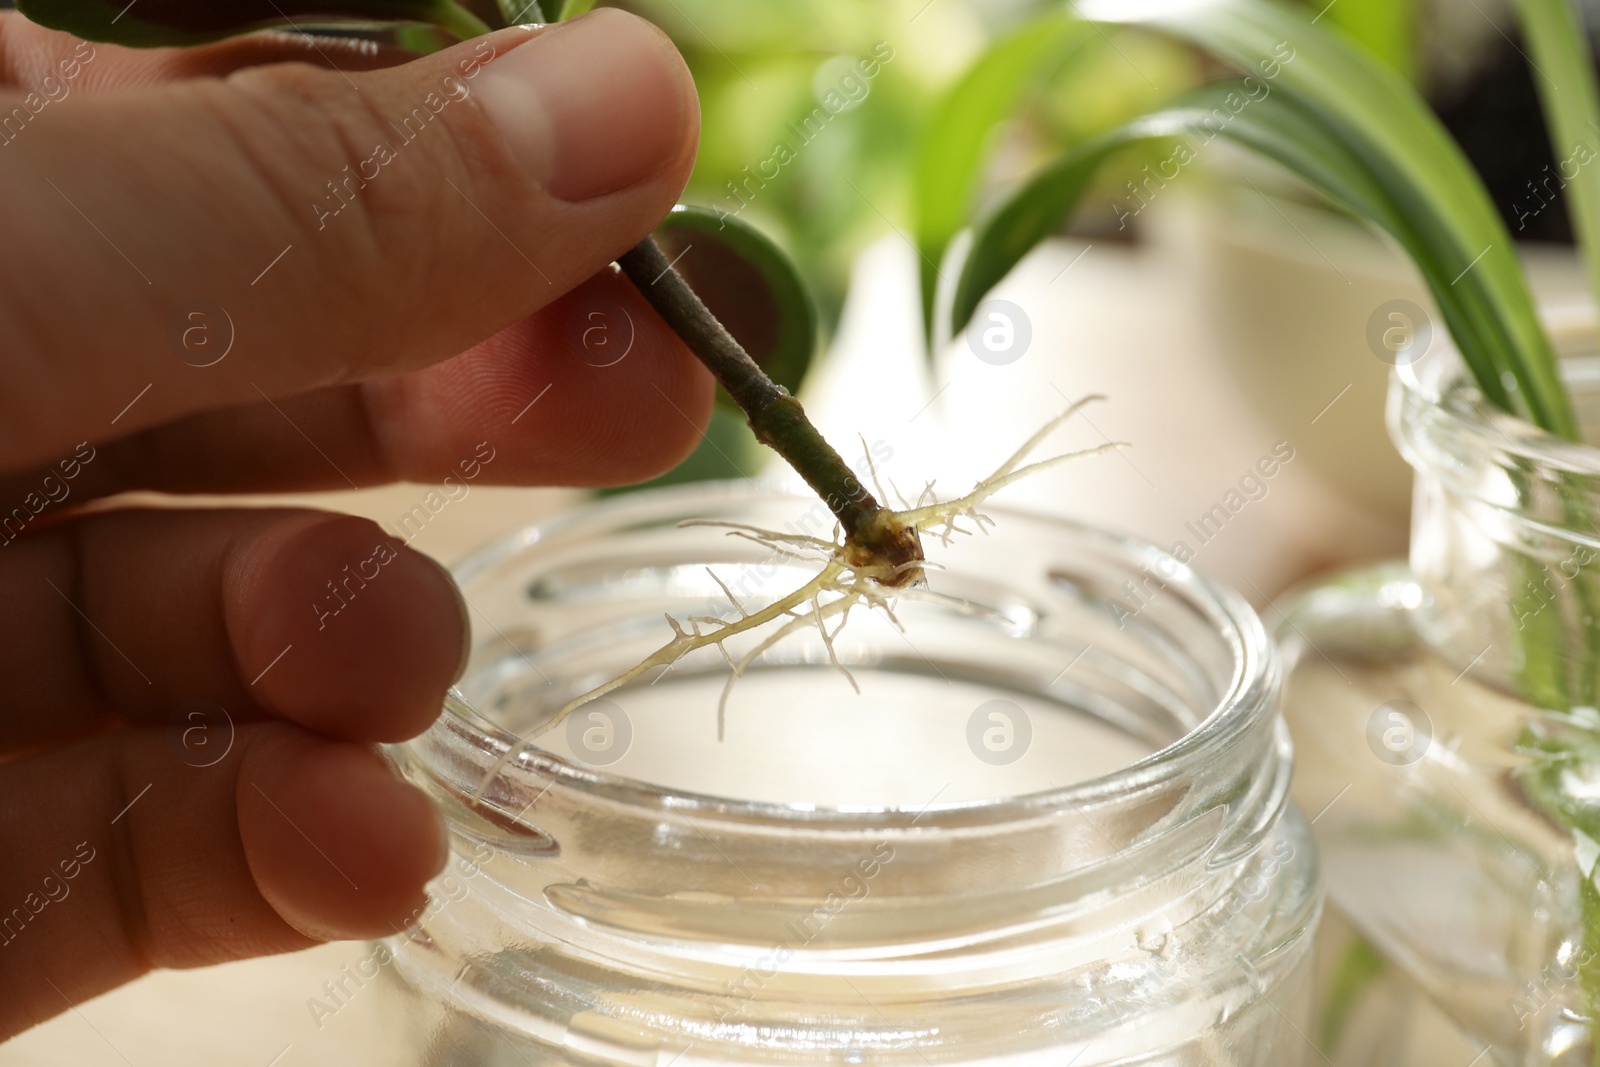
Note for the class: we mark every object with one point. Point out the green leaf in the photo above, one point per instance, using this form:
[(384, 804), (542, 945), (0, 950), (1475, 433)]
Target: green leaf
[(159, 23), (520, 12), (750, 285), (950, 152), (1385, 28), (1032, 213), (1564, 75), (1359, 968), (1352, 128), (1379, 119), (1274, 126), (571, 9), (727, 450), (421, 39), (754, 290)]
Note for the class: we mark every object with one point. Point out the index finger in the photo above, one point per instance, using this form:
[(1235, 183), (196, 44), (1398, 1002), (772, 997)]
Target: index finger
[(349, 226)]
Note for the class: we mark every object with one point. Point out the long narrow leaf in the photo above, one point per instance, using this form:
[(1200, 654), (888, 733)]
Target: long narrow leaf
[(1382, 121), (1274, 126), (960, 125), (1036, 210), (1386, 28), (1286, 133), (1565, 78)]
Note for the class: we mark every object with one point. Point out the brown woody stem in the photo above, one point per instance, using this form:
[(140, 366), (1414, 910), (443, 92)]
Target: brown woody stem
[(777, 419)]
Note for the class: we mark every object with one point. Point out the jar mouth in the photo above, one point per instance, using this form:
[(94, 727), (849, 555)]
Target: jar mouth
[(1244, 702), (1437, 412)]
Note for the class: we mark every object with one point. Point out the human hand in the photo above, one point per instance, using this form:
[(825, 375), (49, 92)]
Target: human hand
[(337, 225)]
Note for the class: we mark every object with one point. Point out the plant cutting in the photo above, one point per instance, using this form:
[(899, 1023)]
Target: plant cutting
[(877, 549), (1338, 121)]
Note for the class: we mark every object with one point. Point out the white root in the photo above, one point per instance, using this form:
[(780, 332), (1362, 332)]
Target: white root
[(805, 606), (728, 593), (682, 643), (795, 623), (872, 468)]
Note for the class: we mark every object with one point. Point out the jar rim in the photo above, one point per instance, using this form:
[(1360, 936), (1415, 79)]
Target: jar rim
[(1435, 395), (1248, 697)]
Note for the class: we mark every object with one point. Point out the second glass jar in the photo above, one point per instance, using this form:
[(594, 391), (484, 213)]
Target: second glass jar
[(1446, 723)]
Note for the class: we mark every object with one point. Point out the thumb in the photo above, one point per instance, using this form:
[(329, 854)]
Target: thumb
[(332, 226)]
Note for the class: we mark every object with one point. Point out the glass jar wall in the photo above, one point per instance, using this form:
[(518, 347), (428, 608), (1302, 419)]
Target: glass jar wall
[(1446, 723), (1047, 830)]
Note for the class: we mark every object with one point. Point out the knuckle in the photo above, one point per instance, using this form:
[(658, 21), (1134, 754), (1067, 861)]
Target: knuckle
[(369, 157), (369, 170)]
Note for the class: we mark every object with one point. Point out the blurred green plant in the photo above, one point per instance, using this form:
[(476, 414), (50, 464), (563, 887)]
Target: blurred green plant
[(1360, 966), (825, 180), (772, 150), (1554, 33), (1080, 82), (872, 168), (1349, 127), (1385, 28)]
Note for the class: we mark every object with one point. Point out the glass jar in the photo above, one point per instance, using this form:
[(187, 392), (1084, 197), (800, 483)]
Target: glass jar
[(1445, 716), (1051, 828)]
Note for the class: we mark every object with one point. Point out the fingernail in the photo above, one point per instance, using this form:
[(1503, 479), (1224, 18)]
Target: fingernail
[(592, 105), (466, 619), (340, 845)]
